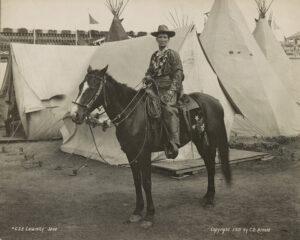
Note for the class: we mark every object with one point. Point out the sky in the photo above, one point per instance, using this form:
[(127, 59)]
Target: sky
[(139, 15)]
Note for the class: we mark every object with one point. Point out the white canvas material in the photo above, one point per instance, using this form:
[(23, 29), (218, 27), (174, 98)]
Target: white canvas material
[(43, 77), (262, 97), (3, 107), (2, 71), (277, 57)]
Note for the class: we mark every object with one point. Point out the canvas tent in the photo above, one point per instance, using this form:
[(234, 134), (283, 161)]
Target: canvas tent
[(2, 71), (3, 66), (128, 61), (275, 54), (116, 31), (38, 80), (266, 104)]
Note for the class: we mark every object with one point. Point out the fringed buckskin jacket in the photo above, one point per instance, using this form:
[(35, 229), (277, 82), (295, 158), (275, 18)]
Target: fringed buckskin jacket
[(166, 69)]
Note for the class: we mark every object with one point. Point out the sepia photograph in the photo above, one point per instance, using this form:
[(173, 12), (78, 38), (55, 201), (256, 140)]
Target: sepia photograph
[(149, 119)]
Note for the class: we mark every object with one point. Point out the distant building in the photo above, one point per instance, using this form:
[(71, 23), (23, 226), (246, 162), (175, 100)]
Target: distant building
[(295, 38), (48, 37), (292, 45), (52, 37)]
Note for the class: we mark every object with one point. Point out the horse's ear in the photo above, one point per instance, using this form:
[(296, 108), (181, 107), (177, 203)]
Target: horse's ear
[(104, 69), (89, 69)]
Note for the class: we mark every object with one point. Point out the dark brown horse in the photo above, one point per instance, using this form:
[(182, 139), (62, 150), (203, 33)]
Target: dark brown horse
[(132, 125)]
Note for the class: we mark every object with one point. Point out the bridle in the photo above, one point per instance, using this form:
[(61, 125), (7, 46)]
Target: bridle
[(94, 98), (90, 104), (120, 118)]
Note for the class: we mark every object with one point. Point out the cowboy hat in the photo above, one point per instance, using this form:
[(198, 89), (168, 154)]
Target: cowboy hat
[(163, 29)]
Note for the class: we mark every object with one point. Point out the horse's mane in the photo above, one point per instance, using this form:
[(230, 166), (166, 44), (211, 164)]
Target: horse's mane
[(122, 89)]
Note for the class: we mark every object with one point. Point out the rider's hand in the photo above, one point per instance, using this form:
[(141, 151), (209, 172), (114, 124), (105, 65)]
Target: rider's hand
[(147, 80), (168, 97)]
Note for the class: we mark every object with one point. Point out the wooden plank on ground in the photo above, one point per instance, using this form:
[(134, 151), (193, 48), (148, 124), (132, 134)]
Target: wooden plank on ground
[(192, 166), (7, 140)]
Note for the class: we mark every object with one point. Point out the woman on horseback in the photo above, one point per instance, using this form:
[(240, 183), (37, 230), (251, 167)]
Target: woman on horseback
[(166, 71)]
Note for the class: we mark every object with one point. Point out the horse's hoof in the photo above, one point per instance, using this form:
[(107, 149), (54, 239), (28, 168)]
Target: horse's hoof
[(135, 218), (146, 224)]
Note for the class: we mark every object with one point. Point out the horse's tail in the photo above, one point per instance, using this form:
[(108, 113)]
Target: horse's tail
[(223, 150), (220, 134)]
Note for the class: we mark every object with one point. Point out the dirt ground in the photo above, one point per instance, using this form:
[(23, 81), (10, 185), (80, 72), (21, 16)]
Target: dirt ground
[(40, 200)]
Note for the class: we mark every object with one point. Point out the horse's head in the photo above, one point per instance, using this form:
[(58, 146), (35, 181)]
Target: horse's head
[(90, 94)]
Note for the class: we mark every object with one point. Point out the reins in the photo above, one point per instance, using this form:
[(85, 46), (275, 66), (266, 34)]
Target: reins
[(128, 110), (94, 140), (121, 117), (145, 139)]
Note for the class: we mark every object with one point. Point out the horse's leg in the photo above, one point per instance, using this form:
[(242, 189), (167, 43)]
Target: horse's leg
[(136, 173), (146, 180), (208, 153)]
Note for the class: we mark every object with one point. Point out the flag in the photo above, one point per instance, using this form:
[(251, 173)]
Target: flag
[(92, 20)]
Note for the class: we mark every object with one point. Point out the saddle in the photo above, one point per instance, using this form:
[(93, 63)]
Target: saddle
[(191, 112), (191, 119), (153, 103)]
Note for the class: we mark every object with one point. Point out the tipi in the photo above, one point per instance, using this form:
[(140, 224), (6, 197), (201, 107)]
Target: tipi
[(116, 31), (128, 65), (246, 74), (274, 52)]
